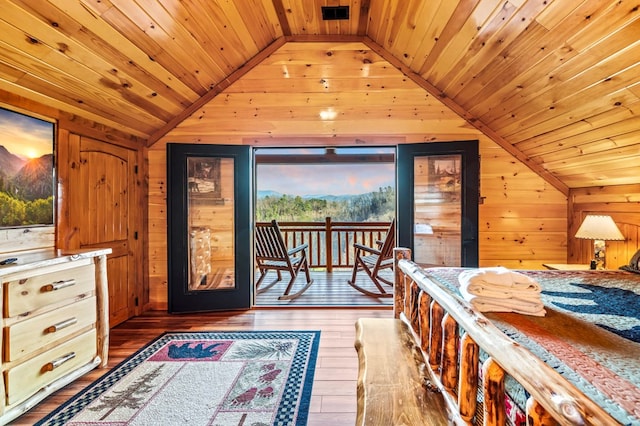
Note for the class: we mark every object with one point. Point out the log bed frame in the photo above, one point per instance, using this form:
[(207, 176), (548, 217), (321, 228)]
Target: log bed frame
[(411, 371)]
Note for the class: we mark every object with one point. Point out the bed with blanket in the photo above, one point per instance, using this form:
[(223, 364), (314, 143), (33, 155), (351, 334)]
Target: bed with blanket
[(588, 331)]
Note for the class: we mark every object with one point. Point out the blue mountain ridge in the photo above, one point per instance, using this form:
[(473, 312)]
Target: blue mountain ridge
[(328, 197)]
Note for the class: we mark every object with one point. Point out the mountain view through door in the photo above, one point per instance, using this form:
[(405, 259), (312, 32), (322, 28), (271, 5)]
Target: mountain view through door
[(346, 184), (328, 199)]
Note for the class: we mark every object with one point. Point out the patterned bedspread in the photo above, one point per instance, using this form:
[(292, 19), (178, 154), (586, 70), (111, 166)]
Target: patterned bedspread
[(590, 335)]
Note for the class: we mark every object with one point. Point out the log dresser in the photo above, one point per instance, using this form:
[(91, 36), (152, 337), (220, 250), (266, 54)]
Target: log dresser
[(55, 325)]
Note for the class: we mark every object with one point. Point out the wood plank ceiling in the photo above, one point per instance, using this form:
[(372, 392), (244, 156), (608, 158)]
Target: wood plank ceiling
[(555, 82)]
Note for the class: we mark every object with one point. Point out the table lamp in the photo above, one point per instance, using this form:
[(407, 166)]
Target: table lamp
[(599, 228)]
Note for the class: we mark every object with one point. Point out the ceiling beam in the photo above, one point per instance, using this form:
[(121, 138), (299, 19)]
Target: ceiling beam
[(337, 38), (474, 121), (216, 90), (363, 22), (324, 141), (329, 157), (282, 17)]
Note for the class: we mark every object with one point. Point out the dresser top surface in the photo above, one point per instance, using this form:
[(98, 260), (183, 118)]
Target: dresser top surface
[(30, 259)]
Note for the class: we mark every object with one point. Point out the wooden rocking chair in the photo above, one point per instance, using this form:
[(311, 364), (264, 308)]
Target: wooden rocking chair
[(372, 261), (272, 253)]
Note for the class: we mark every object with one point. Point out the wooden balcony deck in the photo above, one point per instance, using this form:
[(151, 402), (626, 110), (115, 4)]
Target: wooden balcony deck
[(328, 290)]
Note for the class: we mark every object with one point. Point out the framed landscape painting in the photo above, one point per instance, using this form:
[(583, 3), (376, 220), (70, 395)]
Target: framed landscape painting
[(27, 188)]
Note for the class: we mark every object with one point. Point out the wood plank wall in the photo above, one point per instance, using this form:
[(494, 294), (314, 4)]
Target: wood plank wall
[(17, 239)]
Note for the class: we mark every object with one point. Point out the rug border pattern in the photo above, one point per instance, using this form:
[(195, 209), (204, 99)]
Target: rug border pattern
[(297, 387)]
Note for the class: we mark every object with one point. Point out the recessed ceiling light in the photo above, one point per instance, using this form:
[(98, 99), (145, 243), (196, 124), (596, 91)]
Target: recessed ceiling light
[(328, 114)]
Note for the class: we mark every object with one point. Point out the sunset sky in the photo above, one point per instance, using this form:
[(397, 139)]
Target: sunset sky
[(25, 136), (326, 179)]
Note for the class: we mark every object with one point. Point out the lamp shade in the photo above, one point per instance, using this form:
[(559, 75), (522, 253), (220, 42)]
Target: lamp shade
[(599, 227)]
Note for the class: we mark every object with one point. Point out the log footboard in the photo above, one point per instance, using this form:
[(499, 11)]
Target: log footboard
[(438, 337)]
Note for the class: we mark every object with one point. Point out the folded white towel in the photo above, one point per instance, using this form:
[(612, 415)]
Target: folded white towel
[(498, 292), (501, 290), (526, 307), (478, 281)]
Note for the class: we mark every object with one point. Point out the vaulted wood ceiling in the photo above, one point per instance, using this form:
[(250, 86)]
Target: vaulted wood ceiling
[(555, 82)]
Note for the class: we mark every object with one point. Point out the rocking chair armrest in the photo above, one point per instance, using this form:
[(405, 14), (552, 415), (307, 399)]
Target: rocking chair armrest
[(366, 248), (297, 249)]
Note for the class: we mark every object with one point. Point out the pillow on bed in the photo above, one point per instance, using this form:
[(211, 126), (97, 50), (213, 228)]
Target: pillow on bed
[(634, 264)]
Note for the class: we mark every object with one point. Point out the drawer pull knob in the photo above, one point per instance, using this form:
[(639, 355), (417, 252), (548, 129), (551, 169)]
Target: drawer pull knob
[(50, 366), (62, 324), (57, 285)]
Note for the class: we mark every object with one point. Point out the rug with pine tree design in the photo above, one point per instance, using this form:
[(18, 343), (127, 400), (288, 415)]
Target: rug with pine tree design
[(203, 378)]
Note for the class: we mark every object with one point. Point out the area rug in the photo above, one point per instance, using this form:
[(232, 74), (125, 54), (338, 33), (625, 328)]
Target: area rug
[(203, 378)]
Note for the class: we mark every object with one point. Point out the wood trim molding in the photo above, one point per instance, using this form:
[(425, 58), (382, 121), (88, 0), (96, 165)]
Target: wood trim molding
[(298, 141), (310, 38), (326, 158), (363, 23), (282, 17)]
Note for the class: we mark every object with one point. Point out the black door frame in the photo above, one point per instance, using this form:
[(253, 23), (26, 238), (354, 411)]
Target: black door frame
[(242, 297), (180, 299), (469, 152)]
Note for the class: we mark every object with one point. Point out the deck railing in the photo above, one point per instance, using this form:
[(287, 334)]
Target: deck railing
[(331, 243)]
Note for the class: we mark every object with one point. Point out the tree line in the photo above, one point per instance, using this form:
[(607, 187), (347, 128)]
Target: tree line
[(373, 206), (16, 212)]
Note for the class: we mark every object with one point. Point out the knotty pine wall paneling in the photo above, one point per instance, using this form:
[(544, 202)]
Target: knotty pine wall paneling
[(18, 239)]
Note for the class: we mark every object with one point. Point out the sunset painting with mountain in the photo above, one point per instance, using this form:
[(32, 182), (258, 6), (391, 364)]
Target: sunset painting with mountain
[(26, 170)]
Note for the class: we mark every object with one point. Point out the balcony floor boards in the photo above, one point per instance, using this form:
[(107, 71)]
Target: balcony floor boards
[(327, 290), (333, 399)]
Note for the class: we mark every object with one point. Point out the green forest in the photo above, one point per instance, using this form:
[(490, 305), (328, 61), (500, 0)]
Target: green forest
[(372, 206), (15, 212)]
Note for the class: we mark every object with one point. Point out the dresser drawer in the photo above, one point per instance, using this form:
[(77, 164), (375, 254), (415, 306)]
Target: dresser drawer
[(26, 378), (34, 333), (51, 285)]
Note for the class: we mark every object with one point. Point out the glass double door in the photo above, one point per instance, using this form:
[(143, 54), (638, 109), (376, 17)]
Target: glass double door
[(210, 221)]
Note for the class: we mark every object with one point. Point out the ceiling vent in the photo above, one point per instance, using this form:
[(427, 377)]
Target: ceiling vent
[(334, 13)]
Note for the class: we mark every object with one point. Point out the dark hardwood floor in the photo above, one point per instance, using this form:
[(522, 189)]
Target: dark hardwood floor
[(333, 400)]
